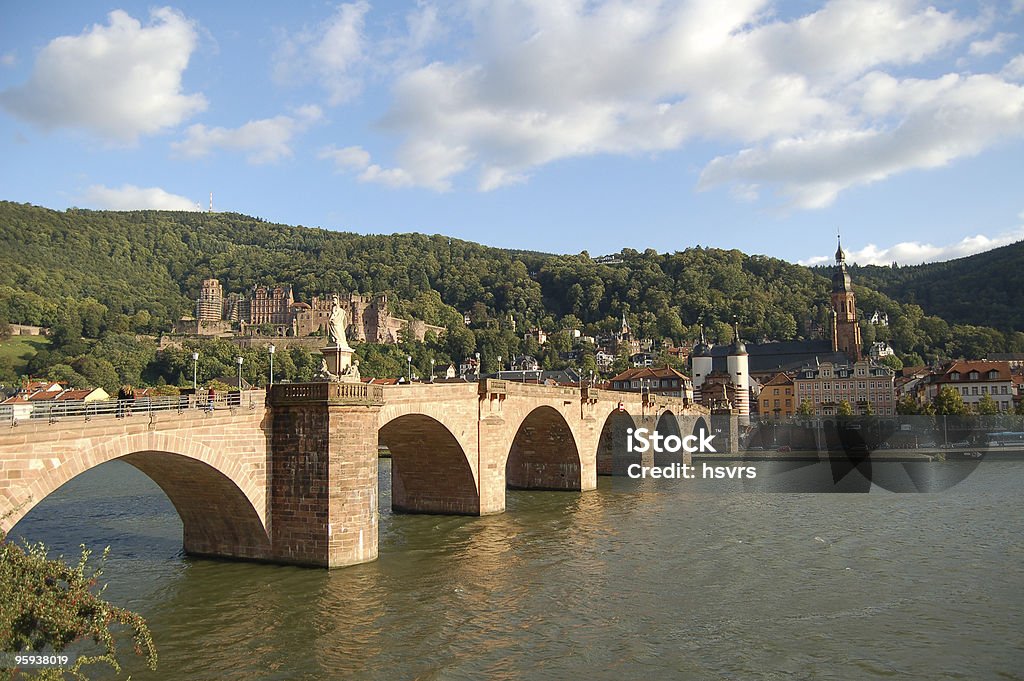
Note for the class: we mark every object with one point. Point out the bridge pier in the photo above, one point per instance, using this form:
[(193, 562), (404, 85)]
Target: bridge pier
[(323, 473)]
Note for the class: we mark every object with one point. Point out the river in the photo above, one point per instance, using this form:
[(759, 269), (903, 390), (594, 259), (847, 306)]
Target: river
[(667, 580)]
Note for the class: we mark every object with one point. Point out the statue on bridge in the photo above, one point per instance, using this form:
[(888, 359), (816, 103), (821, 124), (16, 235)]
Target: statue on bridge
[(336, 324), (337, 364)]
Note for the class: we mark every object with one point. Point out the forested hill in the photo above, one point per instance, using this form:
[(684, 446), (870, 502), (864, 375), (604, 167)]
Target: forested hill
[(986, 289), (147, 266)]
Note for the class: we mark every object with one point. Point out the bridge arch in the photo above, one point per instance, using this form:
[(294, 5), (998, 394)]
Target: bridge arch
[(222, 509), (430, 472), (611, 444), (667, 425), (544, 453)]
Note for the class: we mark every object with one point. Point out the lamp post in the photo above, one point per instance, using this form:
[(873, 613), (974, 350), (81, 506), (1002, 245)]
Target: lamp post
[(431, 369), (478, 367), (271, 350), (238, 361), (408, 358), (499, 366), (195, 371)]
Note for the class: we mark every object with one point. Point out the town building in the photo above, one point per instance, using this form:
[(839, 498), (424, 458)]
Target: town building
[(975, 379), (880, 349), (778, 397), (655, 380), (525, 363), (865, 386)]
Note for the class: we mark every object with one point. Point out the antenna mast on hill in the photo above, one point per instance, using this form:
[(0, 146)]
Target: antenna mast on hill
[(211, 202)]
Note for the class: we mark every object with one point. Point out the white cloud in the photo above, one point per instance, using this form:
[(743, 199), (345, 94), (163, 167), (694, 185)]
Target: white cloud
[(358, 160), (130, 197), (8, 59), (328, 53), (265, 140), (119, 81), (1014, 69), (941, 121), (543, 81), (916, 252), (995, 45)]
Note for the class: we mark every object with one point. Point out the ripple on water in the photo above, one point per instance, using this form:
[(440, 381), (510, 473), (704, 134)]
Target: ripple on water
[(667, 582)]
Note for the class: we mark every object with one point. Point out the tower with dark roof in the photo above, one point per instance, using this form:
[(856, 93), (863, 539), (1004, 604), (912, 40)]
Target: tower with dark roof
[(739, 373), (845, 328)]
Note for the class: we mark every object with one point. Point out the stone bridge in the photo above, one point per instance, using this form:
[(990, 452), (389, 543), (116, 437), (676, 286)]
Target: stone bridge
[(293, 478)]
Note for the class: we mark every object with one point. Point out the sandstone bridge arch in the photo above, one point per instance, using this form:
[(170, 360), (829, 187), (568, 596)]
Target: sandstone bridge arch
[(220, 496), (544, 453)]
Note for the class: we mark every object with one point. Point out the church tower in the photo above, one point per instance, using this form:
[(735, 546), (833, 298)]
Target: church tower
[(845, 329)]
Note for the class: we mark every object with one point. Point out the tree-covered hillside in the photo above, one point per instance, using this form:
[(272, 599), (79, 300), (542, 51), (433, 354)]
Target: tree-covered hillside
[(105, 275), (984, 289)]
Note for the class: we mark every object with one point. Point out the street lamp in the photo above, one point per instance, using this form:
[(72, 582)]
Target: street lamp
[(431, 369), (195, 371), (499, 366), (271, 350), (238, 361), (408, 358)]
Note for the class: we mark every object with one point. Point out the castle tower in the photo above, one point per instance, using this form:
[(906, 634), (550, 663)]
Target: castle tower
[(845, 329), (210, 304), (700, 362), (739, 373)]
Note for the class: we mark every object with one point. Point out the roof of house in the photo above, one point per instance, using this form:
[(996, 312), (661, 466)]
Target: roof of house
[(780, 378), (965, 367), (34, 386), (75, 394), (763, 358)]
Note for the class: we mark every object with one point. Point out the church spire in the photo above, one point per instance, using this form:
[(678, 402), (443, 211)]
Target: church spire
[(840, 255)]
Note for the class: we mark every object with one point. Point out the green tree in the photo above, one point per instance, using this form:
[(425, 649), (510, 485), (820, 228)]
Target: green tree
[(987, 406), (49, 605), (893, 362), (844, 408), (62, 373), (949, 402), (97, 372), (8, 375), (806, 408)]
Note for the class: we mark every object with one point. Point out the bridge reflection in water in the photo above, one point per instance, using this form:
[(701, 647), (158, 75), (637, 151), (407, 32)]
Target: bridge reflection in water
[(291, 477)]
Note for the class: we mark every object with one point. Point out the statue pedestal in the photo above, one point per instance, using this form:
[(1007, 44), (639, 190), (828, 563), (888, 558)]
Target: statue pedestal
[(337, 364)]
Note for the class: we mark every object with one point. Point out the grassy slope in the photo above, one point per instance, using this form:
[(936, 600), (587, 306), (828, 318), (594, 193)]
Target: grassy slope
[(20, 349)]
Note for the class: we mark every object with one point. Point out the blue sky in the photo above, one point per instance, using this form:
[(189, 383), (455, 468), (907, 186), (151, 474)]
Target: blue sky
[(544, 125)]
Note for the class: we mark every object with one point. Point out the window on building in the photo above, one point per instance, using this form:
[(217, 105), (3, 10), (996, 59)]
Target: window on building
[(954, 376), (984, 390), (974, 390)]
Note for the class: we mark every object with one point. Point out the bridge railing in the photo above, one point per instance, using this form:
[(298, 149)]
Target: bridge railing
[(54, 411)]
